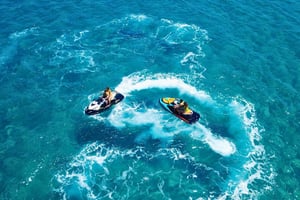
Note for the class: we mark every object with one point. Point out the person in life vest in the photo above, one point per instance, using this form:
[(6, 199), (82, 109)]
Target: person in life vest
[(107, 95), (182, 108)]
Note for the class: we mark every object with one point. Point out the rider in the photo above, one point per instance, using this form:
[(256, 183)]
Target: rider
[(107, 95), (182, 108)]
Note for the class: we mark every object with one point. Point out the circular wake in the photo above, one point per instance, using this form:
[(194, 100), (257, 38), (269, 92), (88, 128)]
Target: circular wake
[(218, 158)]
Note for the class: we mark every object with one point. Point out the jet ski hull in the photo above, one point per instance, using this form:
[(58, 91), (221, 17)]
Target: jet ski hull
[(169, 103), (99, 105)]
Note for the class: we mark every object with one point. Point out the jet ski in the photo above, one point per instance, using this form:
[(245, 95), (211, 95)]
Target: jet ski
[(99, 105), (190, 116)]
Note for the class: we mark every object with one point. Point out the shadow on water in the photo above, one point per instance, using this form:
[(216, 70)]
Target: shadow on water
[(219, 129), (91, 130)]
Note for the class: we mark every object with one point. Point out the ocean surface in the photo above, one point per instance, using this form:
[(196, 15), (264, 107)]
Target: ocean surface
[(237, 63)]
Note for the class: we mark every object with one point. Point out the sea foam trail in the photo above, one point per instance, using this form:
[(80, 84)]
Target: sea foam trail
[(217, 144), (137, 82)]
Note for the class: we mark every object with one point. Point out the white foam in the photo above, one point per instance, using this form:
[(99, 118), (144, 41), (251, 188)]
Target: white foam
[(80, 170), (80, 35), (199, 35), (138, 81), (138, 17), (254, 165), (79, 178), (218, 144), (23, 33), (136, 117)]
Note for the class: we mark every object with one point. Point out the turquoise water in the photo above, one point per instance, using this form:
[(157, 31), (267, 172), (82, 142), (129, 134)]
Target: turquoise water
[(235, 62)]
